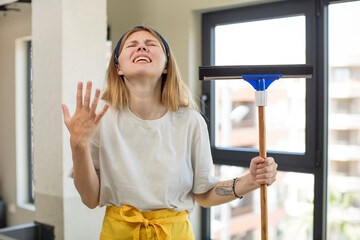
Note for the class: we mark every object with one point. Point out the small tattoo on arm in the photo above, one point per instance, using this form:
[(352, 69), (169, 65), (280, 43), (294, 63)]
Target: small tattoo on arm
[(224, 190)]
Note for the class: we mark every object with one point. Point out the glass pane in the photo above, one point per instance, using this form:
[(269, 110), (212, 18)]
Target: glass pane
[(290, 209), (276, 41), (344, 121)]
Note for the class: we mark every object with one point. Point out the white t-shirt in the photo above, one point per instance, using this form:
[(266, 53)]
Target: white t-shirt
[(152, 164)]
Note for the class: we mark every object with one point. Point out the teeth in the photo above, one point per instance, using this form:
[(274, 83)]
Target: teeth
[(142, 59)]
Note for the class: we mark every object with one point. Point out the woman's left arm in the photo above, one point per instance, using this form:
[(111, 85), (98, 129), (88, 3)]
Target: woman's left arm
[(262, 171)]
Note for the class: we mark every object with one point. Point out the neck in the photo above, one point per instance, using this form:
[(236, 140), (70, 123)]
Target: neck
[(145, 99)]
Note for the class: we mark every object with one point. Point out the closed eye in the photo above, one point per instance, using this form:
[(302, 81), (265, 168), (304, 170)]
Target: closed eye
[(131, 44), (150, 42)]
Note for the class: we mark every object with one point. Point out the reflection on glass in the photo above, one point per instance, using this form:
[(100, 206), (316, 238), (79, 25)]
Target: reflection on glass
[(344, 122), (290, 209), (259, 43)]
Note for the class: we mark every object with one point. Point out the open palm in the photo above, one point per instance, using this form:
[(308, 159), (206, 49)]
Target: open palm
[(85, 119)]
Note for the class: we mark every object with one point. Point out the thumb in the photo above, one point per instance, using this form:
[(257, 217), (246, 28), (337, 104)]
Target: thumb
[(257, 160), (65, 112)]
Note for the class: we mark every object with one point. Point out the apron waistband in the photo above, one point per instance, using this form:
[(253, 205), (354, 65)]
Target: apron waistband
[(150, 220)]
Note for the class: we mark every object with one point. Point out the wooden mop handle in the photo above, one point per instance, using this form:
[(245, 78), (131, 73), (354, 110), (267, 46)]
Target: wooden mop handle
[(263, 188)]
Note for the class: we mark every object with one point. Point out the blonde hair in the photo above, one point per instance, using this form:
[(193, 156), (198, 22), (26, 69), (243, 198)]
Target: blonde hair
[(174, 93)]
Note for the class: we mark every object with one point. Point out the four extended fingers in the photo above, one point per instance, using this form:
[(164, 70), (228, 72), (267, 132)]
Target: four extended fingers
[(83, 103)]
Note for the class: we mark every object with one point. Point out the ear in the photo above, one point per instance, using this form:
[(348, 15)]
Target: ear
[(165, 71), (120, 73)]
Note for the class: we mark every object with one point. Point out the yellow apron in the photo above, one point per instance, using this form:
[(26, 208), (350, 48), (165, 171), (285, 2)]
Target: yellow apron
[(128, 223)]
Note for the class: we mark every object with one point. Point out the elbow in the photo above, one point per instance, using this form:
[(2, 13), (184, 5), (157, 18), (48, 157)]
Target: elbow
[(90, 201), (204, 205), (201, 200), (89, 197), (90, 204)]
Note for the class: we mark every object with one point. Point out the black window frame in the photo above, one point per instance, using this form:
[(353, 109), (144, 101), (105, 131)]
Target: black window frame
[(314, 160)]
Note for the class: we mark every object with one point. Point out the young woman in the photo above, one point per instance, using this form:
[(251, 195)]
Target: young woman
[(146, 154)]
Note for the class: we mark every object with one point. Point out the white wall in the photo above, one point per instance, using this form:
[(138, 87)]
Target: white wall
[(13, 26), (69, 45)]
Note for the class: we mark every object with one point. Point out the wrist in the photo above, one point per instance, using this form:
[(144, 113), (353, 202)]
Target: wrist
[(252, 181), (77, 144), (235, 180), (246, 184)]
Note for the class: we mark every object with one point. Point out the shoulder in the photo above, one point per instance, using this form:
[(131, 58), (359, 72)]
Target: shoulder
[(189, 113), (190, 116)]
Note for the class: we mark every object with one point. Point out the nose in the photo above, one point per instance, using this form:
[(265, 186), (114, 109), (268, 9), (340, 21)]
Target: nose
[(142, 48)]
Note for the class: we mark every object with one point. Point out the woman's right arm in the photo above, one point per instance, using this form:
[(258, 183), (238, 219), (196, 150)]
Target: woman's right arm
[(85, 178), (81, 127)]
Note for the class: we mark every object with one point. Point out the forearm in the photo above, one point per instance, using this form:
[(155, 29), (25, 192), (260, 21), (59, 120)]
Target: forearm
[(85, 178), (223, 192)]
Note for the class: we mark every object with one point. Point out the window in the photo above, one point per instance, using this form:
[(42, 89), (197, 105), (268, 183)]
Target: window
[(236, 114), (344, 121), (24, 126), (317, 193), (268, 34)]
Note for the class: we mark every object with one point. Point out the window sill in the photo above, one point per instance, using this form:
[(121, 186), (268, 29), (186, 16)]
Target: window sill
[(28, 206)]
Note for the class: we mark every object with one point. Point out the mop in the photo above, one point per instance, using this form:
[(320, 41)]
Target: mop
[(260, 77)]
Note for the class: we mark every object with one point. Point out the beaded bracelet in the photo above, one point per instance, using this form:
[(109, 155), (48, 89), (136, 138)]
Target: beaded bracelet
[(233, 188)]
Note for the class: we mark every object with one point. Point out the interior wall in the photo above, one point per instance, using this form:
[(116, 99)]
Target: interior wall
[(13, 25), (69, 45)]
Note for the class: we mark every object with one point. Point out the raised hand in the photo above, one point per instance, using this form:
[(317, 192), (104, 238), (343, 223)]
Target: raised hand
[(83, 123)]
